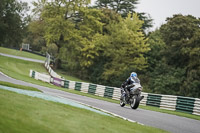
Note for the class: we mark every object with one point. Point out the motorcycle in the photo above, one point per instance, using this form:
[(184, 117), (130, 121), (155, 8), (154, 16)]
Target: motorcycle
[(133, 97)]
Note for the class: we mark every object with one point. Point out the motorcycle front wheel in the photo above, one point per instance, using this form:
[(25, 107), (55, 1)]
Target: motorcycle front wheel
[(134, 103), (122, 104)]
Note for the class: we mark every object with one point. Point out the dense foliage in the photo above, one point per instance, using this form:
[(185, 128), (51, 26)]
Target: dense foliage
[(174, 65), (94, 44), (124, 7), (13, 20), (106, 42)]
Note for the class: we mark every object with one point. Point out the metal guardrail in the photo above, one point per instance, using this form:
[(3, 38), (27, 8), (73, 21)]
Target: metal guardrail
[(154, 100), (185, 104)]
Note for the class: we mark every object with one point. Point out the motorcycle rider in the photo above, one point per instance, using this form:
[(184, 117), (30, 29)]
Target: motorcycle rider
[(125, 87)]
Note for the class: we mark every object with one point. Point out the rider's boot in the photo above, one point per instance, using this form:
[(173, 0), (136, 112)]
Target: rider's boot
[(123, 94), (141, 98), (127, 93)]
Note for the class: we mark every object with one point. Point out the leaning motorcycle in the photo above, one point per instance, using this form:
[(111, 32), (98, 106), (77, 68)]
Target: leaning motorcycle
[(133, 98)]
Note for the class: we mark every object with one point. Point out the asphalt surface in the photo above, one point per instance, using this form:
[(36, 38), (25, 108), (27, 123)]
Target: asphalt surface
[(22, 58), (171, 123)]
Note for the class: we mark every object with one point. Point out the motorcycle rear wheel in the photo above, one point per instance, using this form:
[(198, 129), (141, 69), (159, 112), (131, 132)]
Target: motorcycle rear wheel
[(135, 102)]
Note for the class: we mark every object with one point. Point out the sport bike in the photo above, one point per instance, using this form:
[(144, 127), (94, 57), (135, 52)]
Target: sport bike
[(132, 97)]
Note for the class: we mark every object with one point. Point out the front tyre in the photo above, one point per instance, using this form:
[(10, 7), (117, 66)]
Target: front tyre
[(122, 104), (135, 102)]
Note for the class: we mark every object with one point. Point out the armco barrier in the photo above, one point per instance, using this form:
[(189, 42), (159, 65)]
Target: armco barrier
[(43, 77), (185, 104), (85, 87), (154, 100), (100, 89), (116, 94), (54, 74), (78, 86), (169, 102), (92, 88), (66, 84), (196, 109), (40, 76), (72, 85), (57, 81), (108, 92), (32, 74)]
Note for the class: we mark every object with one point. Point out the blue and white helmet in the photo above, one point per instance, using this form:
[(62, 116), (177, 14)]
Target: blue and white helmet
[(133, 74)]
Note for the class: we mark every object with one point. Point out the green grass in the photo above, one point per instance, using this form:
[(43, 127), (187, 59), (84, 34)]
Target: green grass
[(68, 77), (191, 116), (20, 53), (18, 86), (19, 69), (22, 114)]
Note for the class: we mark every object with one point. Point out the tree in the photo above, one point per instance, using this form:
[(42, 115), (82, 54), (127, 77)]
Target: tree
[(154, 58), (124, 7), (176, 34), (98, 44), (35, 35), (108, 17), (88, 28), (191, 85), (181, 35), (80, 47), (60, 20), (160, 77), (101, 56), (119, 6), (92, 41), (126, 48), (59, 17), (39, 7), (13, 20)]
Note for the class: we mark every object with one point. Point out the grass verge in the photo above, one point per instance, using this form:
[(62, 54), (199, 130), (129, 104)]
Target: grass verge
[(19, 69), (68, 77), (20, 53), (19, 86), (22, 114)]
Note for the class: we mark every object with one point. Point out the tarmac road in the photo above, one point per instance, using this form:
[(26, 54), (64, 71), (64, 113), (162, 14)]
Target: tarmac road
[(22, 58), (171, 123)]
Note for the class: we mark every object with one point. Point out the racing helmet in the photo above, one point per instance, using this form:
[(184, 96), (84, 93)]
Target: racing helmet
[(133, 75)]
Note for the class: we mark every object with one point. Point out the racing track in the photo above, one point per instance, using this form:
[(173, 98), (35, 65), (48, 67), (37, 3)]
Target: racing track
[(22, 58), (171, 123)]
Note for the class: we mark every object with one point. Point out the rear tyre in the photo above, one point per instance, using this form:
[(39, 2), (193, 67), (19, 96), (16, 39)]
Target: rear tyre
[(135, 102)]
